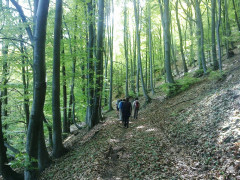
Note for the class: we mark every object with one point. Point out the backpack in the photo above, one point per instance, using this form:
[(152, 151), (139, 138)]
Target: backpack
[(137, 104)]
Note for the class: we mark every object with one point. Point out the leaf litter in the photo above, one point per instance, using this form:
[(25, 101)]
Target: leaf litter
[(194, 135)]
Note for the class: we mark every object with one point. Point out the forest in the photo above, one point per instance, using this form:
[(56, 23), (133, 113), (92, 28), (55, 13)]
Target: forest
[(64, 64)]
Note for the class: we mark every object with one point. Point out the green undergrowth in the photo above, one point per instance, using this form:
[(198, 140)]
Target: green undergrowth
[(217, 75), (172, 89)]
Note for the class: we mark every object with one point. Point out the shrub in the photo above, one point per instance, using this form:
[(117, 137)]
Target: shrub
[(217, 75), (172, 89), (198, 73)]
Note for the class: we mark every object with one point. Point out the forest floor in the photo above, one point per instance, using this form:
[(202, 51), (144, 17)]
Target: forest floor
[(194, 135)]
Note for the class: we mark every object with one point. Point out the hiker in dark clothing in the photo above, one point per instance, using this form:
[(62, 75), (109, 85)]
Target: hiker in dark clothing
[(126, 112)]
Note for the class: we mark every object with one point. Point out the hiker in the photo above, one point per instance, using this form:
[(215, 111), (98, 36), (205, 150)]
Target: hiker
[(126, 112), (120, 109), (117, 104), (136, 106)]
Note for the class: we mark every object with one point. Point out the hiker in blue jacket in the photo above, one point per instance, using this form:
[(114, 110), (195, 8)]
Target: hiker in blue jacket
[(126, 112), (120, 109)]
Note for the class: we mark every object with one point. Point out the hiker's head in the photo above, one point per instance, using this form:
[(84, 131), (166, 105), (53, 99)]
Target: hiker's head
[(136, 98), (124, 99), (127, 99)]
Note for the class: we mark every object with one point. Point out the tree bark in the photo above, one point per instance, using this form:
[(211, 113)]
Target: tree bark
[(39, 67), (200, 35), (110, 44), (147, 98), (218, 36), (150, 47), (58, 149), (126, 45), (99, 67), (167, 40), (66, 123), (236, 15), (180, 39), (25, 84), (214, 52), (90, 66)]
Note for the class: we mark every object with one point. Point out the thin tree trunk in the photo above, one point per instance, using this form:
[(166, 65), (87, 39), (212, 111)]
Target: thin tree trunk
[(167, 40), (66, 123), (150, 47), (180, 39), (126, 45), (132, 66), (111, 33), (147, 98), (228, 28), (214, 52), (236, 15), (25, 84), (200, 34), (218, 36)]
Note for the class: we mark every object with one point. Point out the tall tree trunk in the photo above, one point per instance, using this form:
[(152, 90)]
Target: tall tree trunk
[(228, 28), (180, 39), (192, 60), (135, 69), (25, 84), (35, 124), (150, 46), (126, 45), (218, 36), (167, 40), (236, 14), (58, 148), (66, 123), (74, 59), (106, 57), (214, 52), (200, 35), (132, 65), (111, 33), (174, 57), (90, 66), (147, 98), (99, 66)]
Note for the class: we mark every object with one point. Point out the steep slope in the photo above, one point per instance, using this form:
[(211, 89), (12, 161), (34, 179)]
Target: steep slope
[(194, 135)]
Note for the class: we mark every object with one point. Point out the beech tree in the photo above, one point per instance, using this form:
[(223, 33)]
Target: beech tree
[(214, 52), (90, 67), (58, 148), (126, 44), (164, 9), (139, 62), (36, 149), (180, 39)]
